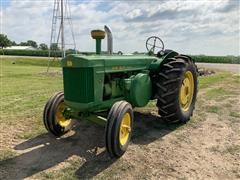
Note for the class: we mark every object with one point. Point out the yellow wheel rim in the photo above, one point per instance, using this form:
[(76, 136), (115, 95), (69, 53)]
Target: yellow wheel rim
[(186, 91), (60, 119), (125, 129)]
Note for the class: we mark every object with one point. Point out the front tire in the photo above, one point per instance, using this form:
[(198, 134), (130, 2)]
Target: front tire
[(176, 86), (119, 128), (53, 118)]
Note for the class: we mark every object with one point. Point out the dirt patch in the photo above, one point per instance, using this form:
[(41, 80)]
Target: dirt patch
[(157, 151)]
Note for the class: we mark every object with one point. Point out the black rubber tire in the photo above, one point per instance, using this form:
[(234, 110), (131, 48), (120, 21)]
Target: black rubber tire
[(114, 119), (49, 113), (168, 83)]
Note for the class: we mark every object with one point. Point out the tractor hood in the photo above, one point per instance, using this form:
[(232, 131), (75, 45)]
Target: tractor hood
[(109, 63)]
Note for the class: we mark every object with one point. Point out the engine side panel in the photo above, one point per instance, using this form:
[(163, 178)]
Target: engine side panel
[(95, 82)]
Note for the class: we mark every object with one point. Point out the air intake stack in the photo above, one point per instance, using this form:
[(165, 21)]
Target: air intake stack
[(98, 35)]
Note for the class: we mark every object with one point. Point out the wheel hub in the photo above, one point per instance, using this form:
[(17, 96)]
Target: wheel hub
[(61, 120), (186, 91), (125, 129)]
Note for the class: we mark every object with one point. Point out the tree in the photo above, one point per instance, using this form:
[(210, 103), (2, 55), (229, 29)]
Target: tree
[(70, 51), (54, 46), (13, 43), (43, 46), (29, 43), (32, 43), (4, 41), (23, 44)]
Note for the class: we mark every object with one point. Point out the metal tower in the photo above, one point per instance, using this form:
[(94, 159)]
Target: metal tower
[(61, 25)]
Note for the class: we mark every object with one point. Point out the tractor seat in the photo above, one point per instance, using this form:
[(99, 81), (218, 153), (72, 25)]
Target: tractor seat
[(163, 52)]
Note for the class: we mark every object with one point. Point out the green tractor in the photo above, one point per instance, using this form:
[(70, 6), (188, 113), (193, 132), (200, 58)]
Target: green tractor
[(105, 89)]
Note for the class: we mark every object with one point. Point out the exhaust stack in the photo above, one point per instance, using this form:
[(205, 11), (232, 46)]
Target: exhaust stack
[(109, 39)]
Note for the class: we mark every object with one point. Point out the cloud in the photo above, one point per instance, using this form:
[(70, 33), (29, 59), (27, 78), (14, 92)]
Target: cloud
[(140, 15), (191, 27), (230, 5), (23, 20)]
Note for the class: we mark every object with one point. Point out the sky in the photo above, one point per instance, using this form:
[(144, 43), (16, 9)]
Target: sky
[(210, 27)]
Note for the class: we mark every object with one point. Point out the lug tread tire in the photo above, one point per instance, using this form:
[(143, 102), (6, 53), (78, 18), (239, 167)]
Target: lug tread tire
[(46, 111), (168, 84), (49, 115), (112, 128)]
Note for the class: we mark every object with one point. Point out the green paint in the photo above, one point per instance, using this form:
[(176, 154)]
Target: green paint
[(140, 90), (95, 83), (82, 81), (98, 46), (95, 119)]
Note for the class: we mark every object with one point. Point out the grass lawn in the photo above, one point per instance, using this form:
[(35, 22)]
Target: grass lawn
[(27, 150), (25, 88)]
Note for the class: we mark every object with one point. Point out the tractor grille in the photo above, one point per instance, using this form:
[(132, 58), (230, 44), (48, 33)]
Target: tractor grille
[(78, 84)]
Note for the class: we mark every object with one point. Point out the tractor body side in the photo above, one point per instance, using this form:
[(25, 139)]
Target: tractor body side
[(104, 89), (95, 83)]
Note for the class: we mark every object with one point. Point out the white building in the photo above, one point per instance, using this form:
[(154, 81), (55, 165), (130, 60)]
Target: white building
[(21, 48)]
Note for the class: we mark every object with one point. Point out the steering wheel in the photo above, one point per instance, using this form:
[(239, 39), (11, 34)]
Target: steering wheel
[(154, 44)]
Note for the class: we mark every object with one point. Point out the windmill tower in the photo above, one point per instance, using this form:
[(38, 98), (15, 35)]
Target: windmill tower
[(61, 24)]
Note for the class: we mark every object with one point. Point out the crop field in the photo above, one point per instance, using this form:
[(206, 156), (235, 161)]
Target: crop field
[(207, 147), (217, 59)]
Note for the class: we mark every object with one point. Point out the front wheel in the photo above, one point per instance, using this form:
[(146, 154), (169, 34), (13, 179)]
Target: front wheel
[(53, 117), (119, 128), (176, 86)]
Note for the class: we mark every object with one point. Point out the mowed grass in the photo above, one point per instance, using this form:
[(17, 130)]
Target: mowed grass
[(217, 89), (25, 88)]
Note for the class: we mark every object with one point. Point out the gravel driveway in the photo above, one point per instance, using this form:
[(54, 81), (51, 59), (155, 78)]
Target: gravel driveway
[(235, 68)]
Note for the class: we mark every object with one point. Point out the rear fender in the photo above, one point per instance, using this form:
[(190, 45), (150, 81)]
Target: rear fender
[(168, 57), (156, 65), (174, 54)]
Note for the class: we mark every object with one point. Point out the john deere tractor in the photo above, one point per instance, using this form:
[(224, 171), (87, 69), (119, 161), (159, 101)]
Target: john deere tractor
[(105, 88)]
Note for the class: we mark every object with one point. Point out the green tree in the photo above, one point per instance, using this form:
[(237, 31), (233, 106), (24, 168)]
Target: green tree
[(13, 43), (135, 52), (4, 41), (54, 46), (23, 44), (43, 46), (32, 43), (71, 51)]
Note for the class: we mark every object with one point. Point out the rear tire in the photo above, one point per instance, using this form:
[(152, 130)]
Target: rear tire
[(53, 119), (119, 128), (176, 86)]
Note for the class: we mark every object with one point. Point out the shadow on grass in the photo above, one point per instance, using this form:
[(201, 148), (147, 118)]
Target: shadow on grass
[(45, 151)]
